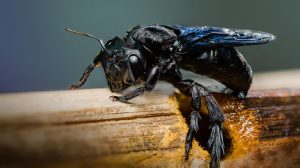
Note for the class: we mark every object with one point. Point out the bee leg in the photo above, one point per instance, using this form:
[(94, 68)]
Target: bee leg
[(215, 142), (153, 77), (83, 78), (190, 88)]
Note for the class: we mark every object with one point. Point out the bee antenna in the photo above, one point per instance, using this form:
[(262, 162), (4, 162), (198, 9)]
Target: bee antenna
[(88, 35)]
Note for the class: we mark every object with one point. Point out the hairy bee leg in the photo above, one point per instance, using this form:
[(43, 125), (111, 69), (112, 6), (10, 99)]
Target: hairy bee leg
[(190, 88), (83, 78), (153, 77), (216, 116), (216, 139)]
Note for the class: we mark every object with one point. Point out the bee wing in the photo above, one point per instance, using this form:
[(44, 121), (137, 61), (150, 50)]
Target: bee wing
[(215, 36)]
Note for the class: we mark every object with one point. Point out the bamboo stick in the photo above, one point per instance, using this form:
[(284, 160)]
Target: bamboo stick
[(83, 128)]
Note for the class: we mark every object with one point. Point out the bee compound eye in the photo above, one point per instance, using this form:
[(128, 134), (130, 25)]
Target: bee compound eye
[(135, 68)]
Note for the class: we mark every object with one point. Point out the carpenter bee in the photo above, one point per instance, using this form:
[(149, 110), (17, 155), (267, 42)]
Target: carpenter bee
[(147, 54)]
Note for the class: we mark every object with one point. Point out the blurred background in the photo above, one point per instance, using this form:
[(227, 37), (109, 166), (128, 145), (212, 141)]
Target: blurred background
[(37, 54)]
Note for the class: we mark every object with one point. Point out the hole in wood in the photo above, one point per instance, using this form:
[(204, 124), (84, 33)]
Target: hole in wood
[(202, 135)]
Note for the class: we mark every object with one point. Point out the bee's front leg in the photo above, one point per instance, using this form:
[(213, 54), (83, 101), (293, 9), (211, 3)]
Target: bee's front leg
[(152, 78)]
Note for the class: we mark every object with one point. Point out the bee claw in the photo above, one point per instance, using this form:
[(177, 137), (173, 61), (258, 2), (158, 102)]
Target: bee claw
[(114, 98), (71, 87)]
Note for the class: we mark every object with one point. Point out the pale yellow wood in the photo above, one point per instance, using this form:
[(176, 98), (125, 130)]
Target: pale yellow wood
[(277, 79)]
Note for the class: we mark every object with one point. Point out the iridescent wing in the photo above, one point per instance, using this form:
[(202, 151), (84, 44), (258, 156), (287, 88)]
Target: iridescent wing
[(216, 37)]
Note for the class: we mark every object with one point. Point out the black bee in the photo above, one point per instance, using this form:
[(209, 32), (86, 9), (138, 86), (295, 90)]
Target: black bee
[(150, 53)]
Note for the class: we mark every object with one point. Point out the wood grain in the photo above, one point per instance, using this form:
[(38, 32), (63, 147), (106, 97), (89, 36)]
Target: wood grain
[(83, 128)]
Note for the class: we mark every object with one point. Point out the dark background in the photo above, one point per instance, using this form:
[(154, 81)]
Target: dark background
[(37, 54)]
